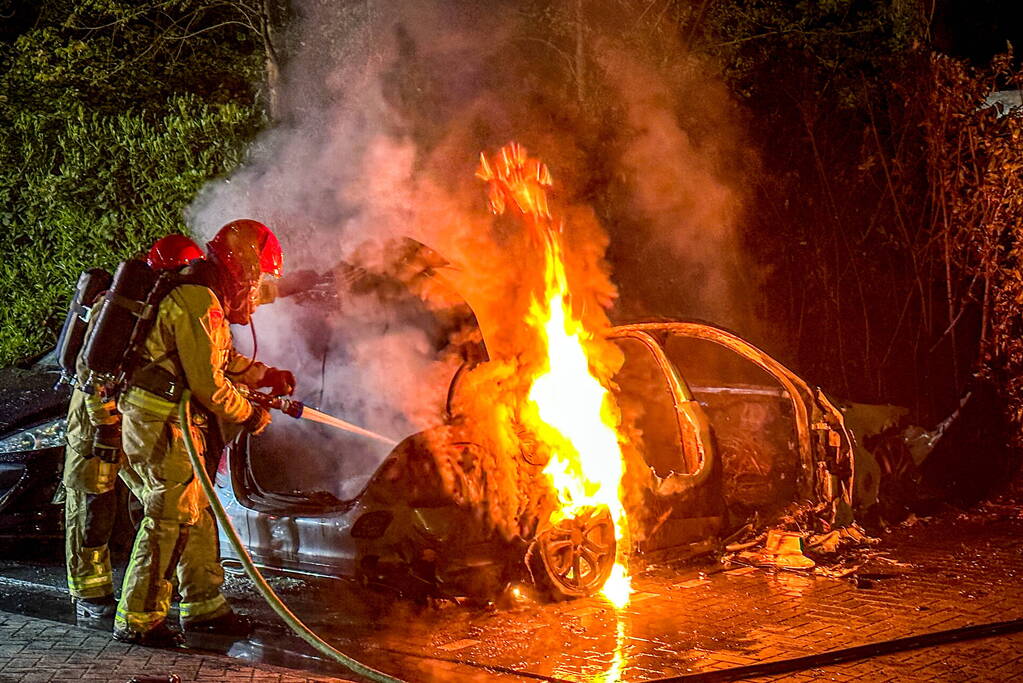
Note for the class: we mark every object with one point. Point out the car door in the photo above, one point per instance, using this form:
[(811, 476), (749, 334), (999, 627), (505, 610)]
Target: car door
[(667, 435), (779, 439)]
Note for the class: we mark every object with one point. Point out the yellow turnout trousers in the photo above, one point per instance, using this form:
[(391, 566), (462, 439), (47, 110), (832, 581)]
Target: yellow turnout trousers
[(88, 522), (90, 504), (177, 534), (89, 519)]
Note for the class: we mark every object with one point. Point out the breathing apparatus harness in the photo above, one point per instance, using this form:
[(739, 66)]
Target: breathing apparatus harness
[(112, 350)]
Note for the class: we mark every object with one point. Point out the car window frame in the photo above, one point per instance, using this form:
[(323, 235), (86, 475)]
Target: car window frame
[(698, 452)]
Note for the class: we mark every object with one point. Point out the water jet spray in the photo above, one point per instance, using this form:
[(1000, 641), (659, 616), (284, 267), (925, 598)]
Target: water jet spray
[(299, 410)]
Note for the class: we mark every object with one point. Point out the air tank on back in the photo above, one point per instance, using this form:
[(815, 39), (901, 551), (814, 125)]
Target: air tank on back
[(91, 284), (107, 345)]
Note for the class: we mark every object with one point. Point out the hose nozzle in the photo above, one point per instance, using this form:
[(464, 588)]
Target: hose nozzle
[(288, 406)]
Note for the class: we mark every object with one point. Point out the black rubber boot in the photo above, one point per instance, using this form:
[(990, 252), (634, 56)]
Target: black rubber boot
[(95, 609), (161, 635)]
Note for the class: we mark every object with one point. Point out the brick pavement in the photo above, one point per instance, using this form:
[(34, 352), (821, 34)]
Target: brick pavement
[(987, 659), (945, 573), (942, 574), (36, 650)]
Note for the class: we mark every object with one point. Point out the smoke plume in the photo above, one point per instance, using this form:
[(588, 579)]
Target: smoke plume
[(385, 108)]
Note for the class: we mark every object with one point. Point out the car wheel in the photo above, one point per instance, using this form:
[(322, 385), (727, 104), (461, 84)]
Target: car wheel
[(574, 557)]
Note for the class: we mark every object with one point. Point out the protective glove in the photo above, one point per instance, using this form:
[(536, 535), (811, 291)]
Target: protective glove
[(281, 382), (106, 443), (258, 421)]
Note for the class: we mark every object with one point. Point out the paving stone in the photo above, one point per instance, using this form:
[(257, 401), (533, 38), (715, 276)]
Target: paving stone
[(38, 651), (724, 620)]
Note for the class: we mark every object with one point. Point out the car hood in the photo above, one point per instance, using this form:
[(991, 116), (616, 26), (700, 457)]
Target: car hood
[(27, 396)]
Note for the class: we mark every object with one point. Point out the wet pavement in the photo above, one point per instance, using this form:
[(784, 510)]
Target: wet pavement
[(35, 650), (937, 575)]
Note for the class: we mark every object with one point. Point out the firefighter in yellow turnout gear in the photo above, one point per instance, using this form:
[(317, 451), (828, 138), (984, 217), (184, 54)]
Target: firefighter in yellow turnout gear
[(190, 345)]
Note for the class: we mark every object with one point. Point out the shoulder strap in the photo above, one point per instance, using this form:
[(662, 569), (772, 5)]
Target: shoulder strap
[(199, 273), (165, 284)]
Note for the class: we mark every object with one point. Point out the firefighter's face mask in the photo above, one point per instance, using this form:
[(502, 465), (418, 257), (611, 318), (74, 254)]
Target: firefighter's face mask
[(266, 292), (242, 302)]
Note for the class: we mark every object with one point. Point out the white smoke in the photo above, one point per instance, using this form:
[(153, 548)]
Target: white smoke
[(384, 109)]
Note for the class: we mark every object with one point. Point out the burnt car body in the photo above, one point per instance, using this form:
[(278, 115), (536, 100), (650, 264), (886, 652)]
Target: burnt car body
[(717, 452)]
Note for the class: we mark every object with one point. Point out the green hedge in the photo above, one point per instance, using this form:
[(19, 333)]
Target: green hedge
[(89, 189)]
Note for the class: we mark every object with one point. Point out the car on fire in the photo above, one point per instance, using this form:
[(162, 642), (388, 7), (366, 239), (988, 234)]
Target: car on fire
[(717, 451), (723, 433)]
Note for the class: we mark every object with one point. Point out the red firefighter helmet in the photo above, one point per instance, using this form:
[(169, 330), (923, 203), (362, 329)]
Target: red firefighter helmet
[(173, 251), (247, 249), (244, 250)]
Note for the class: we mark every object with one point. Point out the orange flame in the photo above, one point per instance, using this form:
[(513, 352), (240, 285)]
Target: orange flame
[(569, 408)]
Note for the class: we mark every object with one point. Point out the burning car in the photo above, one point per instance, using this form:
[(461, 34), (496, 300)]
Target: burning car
[(561, 460), (713, 453)]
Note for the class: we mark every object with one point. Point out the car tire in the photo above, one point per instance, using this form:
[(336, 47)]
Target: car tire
[(574, 557)]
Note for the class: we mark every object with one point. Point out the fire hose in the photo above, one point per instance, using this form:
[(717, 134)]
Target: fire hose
[(268, 594)]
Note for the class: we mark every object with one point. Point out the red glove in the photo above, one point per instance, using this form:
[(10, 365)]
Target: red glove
[(281, 382)]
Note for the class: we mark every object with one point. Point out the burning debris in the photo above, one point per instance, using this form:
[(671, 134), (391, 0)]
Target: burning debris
[(834, 554)]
